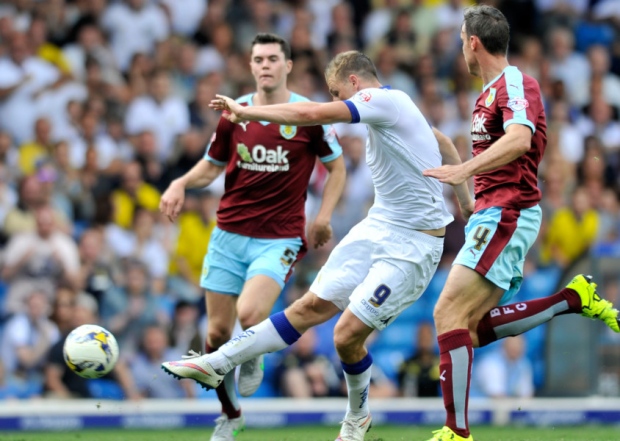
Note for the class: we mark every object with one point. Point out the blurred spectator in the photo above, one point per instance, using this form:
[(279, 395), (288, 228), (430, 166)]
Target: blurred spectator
[(571, 139), (600, 65), (23, 78), (44, 49), (200, 114), (166, 115), (132, 194), (184, 333), (60, 382), (185, 75), (567, 65), (510, 369), (184, 16), (127, 310), (196, 223), (141, 244), (46, 258), (151, 381), (134, 26), (378, 22), (62, 309), (389, 73), (609, 217), (25, 343), (8, 196), (571, 232), (418, 376), (96, 268), (304, 374), (599, 122), (90, 45), (34, 152)]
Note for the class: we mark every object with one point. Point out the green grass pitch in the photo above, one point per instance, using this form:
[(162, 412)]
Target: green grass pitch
[(381, 433)]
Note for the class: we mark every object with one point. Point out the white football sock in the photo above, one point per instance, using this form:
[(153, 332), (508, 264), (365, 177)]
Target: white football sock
[(358, 385), (255, 341)]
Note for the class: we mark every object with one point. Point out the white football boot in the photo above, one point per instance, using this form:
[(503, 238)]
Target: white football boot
[(354, 429), (251, 376), (226, 429), (195, 367)]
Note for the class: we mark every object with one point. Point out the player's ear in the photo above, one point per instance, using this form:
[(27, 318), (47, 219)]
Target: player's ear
[(474, 43), (354, 81), (289, 66)]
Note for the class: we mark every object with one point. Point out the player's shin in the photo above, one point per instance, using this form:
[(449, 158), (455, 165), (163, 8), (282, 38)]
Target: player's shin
[(510, 320), (357, 376), (271, 335), (456, 357)]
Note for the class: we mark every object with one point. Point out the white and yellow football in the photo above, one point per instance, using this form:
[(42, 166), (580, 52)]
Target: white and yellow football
[(90, 351)]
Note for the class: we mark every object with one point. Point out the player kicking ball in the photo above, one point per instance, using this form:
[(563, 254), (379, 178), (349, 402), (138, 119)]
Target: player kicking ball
[(385, 262)]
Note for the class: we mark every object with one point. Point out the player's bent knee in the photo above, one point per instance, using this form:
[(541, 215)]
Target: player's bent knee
[(217, 336), (248, 318), (310, 310)]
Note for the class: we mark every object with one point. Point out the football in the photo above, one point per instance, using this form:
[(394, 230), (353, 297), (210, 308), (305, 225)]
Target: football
[(90, 351)]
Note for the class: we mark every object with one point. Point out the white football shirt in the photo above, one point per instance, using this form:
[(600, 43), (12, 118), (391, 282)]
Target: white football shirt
[(400, 145)]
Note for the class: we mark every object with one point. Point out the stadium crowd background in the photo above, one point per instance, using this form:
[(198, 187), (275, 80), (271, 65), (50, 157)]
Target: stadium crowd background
[(103, 103)]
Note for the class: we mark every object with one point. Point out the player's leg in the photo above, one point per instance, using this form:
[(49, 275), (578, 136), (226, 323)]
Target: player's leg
[(403, 265), (464, 293), (579, 296), (482, 272), (223, 277), (350, 336), (328, 295), (221, 316), (271, 261)]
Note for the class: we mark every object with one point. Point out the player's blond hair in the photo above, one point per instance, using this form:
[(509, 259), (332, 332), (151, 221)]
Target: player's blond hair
[(350, 62)]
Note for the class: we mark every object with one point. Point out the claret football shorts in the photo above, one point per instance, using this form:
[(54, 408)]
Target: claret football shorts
[(378, 270)]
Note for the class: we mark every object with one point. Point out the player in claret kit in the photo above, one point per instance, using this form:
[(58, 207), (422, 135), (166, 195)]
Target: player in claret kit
[(260, 231), (508, 131), (385, 262)]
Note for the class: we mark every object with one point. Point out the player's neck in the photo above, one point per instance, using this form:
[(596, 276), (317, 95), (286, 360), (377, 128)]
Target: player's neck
[(491, 67), (279, 96)]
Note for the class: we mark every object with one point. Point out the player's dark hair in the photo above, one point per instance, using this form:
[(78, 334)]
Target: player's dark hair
[(350, 62), (490, 26), (266, 38)]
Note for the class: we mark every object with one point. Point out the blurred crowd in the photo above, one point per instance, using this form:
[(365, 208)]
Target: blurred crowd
[(104, 102)]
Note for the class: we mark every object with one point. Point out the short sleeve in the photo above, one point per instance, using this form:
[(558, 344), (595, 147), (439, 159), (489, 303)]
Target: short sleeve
[(520, 103), (328, 147), (218, 150), (373, 106)]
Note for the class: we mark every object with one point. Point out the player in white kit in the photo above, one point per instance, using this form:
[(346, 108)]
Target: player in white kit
[(385, 262)]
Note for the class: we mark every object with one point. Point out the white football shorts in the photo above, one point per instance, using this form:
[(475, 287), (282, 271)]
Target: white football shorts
[(378, 270)]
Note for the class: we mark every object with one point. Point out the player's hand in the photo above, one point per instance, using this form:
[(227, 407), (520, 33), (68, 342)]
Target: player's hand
[(231, 109), (172, 200), (448, 174), (320, 232)]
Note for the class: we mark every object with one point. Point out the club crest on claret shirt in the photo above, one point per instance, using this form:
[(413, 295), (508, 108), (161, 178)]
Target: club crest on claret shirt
[(288, 132), (490, 97)]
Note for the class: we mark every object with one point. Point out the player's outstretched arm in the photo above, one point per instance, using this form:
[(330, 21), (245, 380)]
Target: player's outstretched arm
[(450, 156), (200, 175), (321, 230), (291, 114)]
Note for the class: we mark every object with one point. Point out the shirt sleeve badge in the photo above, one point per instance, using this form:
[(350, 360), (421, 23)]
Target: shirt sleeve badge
[(288, 132), (518, 104)]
